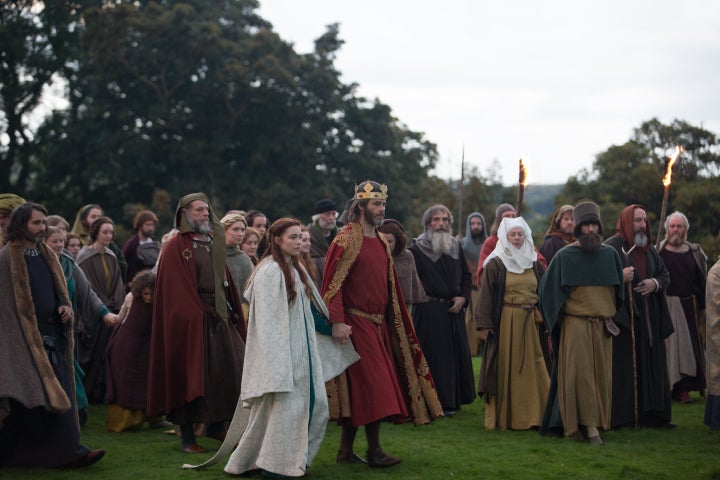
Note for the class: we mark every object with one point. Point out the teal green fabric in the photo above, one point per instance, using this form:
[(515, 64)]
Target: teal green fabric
[(322, 324)]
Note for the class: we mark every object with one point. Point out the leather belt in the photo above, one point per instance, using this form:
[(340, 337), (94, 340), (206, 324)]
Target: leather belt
[(440, 299), (376, 318), (610, 324), (527, 307)]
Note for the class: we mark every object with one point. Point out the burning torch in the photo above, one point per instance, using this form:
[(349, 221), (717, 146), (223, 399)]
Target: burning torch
[(667, 180), (522, 181)]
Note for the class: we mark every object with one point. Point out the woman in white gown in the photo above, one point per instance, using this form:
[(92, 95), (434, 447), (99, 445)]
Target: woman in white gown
[(286, 364)]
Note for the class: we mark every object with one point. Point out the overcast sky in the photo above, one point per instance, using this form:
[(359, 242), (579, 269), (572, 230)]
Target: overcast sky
[(555, 82)]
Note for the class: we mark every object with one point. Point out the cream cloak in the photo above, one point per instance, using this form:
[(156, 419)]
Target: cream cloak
[(286, 364)]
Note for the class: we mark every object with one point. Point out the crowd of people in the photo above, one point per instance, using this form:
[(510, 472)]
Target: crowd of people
[(256, 333)]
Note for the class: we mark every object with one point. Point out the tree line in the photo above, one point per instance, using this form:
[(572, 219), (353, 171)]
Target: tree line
[(160, 98)]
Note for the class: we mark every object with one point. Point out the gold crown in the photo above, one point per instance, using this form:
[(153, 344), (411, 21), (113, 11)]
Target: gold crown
[(367, 192)]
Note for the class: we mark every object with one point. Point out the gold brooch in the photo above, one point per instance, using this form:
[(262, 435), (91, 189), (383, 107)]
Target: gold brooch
[(187, 254)]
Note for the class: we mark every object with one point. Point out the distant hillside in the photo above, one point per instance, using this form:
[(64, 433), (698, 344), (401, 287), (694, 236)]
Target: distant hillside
[(538, 205), (540, 199)]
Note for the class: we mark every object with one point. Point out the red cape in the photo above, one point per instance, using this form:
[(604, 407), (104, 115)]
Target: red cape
[(177, 348), (413, 372)]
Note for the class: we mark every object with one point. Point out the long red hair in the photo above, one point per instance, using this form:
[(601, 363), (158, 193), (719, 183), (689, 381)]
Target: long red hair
[(276, 230)]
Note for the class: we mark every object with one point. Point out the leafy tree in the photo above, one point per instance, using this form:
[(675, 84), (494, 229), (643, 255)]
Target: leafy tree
[(38, 42), (199, 95)]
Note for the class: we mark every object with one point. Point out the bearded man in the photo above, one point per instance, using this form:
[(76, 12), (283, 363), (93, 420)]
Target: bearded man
[(645, 319), (142, 249), (440, 322), (687, 264), (391, 380), (322, 232), (578, 295), (197, 345), (475, 236), (38, 419)]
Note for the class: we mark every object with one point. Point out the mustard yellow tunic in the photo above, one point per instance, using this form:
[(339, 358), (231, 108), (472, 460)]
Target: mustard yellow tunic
[(585, 359), (523, 380)]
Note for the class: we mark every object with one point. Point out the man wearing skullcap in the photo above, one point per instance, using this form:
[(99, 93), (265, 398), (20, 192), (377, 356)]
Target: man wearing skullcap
[(579, 294)]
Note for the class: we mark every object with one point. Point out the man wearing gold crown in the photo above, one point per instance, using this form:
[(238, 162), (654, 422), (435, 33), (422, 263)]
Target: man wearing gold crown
[(360, 288)]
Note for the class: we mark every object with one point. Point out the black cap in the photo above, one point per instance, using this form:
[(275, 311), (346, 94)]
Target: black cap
[(324, 206)]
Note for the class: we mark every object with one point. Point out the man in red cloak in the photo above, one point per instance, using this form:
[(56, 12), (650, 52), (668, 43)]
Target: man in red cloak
[(197, 345), (360, 287), (644, 323)]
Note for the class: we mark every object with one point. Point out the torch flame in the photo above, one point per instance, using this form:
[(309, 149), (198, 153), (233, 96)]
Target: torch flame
[(667, 179), (523, 174)]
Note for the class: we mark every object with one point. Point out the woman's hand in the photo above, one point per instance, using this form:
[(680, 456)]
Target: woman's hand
[(341, 332), (111, 319)]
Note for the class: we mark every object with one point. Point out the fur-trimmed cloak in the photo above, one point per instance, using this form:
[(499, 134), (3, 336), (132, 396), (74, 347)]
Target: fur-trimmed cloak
[(27, 375)]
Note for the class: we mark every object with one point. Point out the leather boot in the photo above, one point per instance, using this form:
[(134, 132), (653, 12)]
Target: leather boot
[(348, 456), (379, 459)]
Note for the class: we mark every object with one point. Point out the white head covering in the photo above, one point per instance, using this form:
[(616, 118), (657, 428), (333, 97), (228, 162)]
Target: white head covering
[(515, 260)]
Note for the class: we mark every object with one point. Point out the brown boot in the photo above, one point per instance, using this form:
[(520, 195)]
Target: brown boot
[(348, 456), (379, 459)]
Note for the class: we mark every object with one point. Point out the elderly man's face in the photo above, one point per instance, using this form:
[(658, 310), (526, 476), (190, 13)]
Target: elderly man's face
[(676, 230), (440, 221), (198, 215), (327, 220), (639, 220)]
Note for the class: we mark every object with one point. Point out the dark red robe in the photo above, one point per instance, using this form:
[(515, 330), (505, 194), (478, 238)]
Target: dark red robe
[(177, 373)]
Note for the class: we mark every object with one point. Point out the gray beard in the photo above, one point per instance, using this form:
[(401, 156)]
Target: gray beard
[(202, 227), (325, 224), (441, 241), (676, 240), (641, 239)]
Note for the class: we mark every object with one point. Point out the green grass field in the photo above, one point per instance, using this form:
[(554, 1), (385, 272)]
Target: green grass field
[(449, 448)]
